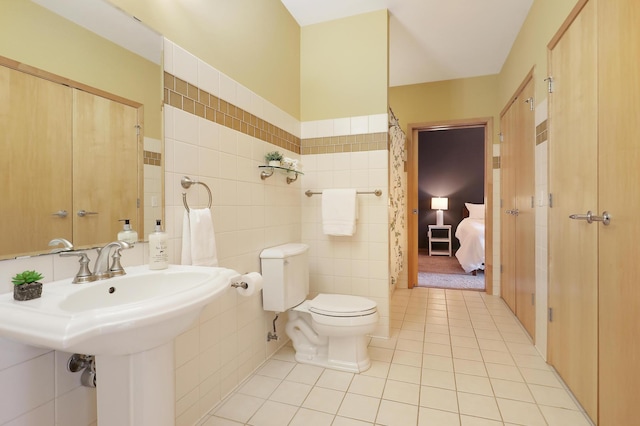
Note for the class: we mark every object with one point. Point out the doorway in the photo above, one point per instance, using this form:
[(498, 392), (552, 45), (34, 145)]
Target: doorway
[(413, 204)]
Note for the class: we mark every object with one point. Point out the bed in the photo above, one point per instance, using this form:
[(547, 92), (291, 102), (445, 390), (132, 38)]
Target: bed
[(470, 233)]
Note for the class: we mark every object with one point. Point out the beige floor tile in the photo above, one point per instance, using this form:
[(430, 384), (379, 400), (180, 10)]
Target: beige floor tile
[(478, 421), (378, 369), (359, 407), (461, 352), (522, 413), (438, 379), (438, 398), (413, 359), (380, 354), (436, 328), (404, 373), (276, 369), (413, 326), (492, 345), (439, 338), (432, 320), (504, 372), (239, 407), (367, 385), (511, 390), (437, 362), (291, 393), (488, 334), (286, 353), (394, 413), (554, 397), (219, 421), (462, 331), (337, 380), (497, 357), (464, 366), (562, 417), (522, 348), (478, 406), (344, 421), (530, 361), (402, 392), (305, 417), (540, 377), (273, 414), (379, 342), (259, 386), (473, 384), (431, 417), (460, 323), (416, 318), (305, 373), (325, 400), (409, 345), (464, 341), (411, 335), (437, 349)]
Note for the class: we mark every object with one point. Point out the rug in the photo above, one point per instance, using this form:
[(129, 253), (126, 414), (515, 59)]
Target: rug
[(466, 282)]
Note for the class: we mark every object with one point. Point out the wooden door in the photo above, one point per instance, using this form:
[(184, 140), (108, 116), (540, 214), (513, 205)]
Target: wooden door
[(508, 203), (573, 185), (35, 165), (525, 221), (619, 194), (105, 168)]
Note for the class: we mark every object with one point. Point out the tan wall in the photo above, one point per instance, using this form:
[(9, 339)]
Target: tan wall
[(32, 35), (344, 71), (254, 42), (530, 48), (446, 100)]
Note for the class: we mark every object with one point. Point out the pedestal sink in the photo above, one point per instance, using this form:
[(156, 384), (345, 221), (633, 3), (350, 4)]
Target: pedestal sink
[(129, 324)]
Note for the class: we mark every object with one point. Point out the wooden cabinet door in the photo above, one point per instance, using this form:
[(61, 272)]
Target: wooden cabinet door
[(105, 168), (573, 184), (35, 164), (518, 215), (619, 194), (508, 203)]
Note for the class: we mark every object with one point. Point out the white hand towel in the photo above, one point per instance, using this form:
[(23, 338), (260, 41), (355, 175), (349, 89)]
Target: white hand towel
[(339, 211), (198, 239)]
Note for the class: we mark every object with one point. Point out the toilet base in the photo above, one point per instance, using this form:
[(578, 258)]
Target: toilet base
[(343, 353)]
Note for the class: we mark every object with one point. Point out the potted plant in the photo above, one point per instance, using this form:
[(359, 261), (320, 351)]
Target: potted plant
[(273, 158), (26, 285)]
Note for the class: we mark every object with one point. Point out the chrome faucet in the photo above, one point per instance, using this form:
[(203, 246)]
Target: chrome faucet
[(101, 270), (66, 245)]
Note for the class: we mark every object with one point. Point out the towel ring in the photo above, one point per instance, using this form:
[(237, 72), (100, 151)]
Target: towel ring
[(186, 183)]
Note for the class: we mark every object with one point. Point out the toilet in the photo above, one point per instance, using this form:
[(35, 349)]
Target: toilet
[(329, 330)]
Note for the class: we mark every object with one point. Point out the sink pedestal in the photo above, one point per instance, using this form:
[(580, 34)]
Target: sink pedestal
[(137, 389)]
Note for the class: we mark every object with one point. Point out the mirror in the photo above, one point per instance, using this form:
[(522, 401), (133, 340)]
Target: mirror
[(91, 45)]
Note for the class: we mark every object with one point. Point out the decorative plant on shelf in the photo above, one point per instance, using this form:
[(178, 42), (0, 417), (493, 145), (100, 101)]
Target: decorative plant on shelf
[(26, 285), (273, 158)]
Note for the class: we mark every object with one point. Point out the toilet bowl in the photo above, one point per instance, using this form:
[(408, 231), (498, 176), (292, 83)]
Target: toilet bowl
[(331, 331)]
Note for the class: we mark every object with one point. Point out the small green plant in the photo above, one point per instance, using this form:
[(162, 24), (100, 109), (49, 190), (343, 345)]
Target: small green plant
[(26, 277), (273, 156)]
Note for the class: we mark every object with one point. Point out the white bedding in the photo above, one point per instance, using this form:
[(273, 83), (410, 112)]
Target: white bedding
[(470, 233)]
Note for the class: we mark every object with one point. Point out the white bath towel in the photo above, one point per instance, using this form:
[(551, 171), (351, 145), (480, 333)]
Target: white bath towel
[(339, 211), (198, 239)]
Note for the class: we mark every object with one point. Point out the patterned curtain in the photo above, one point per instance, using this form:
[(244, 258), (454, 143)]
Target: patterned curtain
[(397, 197)]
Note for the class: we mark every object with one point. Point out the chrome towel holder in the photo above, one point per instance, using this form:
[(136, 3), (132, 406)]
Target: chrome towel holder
[(186, 183), (377, 192)]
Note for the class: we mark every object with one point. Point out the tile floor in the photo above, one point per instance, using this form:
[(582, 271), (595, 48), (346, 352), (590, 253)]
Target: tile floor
[(454, 358)]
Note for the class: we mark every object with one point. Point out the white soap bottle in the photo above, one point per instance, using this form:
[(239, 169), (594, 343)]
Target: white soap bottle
[(127, 234), (158, 248)]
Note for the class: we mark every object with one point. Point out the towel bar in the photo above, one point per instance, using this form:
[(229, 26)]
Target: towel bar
[(377, 192), (186, 183)]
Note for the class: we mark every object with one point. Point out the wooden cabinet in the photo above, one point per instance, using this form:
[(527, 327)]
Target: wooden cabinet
[(594, 165), (517, 281)]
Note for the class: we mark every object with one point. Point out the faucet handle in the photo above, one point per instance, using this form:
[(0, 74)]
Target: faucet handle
[(116, 268), (84, 274)]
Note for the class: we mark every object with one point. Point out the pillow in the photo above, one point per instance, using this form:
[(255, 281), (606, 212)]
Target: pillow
[(476, 211)]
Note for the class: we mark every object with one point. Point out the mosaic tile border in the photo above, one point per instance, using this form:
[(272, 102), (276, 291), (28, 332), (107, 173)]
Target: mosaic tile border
[(347, 143), (189, 98), (541, 132), (152, 158)]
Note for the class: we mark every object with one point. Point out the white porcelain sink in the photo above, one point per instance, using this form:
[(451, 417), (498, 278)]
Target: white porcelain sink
[(117, 316)]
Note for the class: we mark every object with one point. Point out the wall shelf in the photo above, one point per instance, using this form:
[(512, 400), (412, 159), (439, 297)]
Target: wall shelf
[(267, 171)]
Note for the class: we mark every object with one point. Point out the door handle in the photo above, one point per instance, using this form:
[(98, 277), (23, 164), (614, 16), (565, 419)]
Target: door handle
[(83, 213), (513, 212), (60, 213), (590, 217)]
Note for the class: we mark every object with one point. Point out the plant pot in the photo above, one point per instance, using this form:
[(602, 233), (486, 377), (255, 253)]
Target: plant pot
[(27, 291), (274, 163)]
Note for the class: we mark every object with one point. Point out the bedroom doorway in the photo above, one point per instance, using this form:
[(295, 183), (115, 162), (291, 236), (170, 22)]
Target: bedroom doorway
[(445, 271)]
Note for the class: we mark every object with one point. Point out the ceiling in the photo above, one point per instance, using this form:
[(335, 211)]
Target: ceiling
[(432, 40)]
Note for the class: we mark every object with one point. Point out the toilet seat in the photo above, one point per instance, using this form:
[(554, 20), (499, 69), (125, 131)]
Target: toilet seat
[(341, 305)]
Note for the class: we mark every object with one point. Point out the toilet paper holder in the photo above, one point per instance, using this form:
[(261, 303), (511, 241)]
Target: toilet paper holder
[(240, 284)]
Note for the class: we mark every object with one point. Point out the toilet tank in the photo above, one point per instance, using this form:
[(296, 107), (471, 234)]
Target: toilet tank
[(285, 276)]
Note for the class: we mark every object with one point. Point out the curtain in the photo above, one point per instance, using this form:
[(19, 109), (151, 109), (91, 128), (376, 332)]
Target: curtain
[(397, 197)]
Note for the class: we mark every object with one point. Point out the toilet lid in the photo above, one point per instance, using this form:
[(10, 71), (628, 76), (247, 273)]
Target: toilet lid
[(341, 305)]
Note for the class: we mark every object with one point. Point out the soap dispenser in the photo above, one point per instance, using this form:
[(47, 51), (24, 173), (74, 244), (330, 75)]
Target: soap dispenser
[(158, 248), (127, 234)]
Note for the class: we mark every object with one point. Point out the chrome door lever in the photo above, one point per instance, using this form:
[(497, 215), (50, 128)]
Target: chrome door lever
[(513, 212), (83, 213), (60, 213), (590, 217)]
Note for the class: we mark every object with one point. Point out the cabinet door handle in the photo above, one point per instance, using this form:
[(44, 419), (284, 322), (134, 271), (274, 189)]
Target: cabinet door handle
[(60, 213), (83, 213), (590, 217)]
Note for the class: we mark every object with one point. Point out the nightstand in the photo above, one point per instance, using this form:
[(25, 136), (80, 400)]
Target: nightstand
[(441, 235)]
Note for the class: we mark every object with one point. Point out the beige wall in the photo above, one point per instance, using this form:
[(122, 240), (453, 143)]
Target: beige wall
[(32, 35), (530, 48), (344, 70), (254, 42), (445, 100)]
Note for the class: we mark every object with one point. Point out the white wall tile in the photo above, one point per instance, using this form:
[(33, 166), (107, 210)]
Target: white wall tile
[(359, 125), (341, 126), (208, 78), (228, 89), (185, 65)]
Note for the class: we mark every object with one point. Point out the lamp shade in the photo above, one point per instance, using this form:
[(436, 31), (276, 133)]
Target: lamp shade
[(440, 203)]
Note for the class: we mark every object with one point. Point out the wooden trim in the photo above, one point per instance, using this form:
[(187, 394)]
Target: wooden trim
[(46, 75), (567, 23), (412, 191)]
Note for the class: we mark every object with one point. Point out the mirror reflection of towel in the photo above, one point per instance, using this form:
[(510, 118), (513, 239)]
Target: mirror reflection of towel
[(198, 238), (339, 210)]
